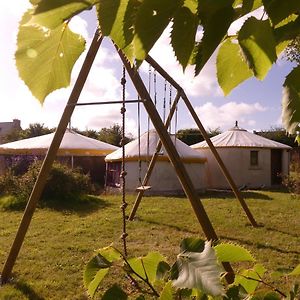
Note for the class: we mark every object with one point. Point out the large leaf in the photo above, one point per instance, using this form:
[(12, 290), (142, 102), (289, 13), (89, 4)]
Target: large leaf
[(199, 270), (249, 279), (45, 58), (231, 66), (258, 43), (232, 253), (98, 267), (291, 101), (215, 26), (185, 25), (250, 5), (152, 18), (55, 12), (192, 245), (114, 293), (296, 271), (116, 19), (167, 292), (147, 266), (279, 10)]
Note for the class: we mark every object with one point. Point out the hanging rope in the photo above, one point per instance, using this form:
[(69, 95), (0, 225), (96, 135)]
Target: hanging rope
[(148, 131), (139, 141), (170, 104), (164, 102), (123, 172)]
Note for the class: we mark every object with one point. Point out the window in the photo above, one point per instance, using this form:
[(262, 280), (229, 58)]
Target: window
[(253, 158)]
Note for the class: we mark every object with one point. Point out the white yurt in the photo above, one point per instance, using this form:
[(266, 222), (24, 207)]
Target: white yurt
[(75, 150), (253, 161), (163, 180)]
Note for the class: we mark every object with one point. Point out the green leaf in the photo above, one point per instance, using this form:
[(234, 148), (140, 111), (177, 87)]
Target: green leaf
[(152, 18), (98, 267), (291, 101), (45, 58), (296, 271), (192, 245), (215, 28), (231, 66), (249, 279), (162, 269), (116, 19), (257, 40), (147, 266), (113, 293), (200, 271), (167, 292), (185, 25), (232, 253), (250, 5), (55, 12), (279, 10)]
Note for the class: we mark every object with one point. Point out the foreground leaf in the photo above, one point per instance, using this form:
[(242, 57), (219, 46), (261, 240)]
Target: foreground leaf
[(231, 66), (45, 57), (296, 271), (257, 40), (167, 292), (55, 12), (147, 266), (152, 18), (183, 34), (98, 267), (291, 101), (192, 245), (199, 270), (232, 253), (250, 279), (114, 293)]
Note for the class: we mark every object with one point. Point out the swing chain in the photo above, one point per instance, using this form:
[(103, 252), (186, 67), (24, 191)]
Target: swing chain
[(123, 171)]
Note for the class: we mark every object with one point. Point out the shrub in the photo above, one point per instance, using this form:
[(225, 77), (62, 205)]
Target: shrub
[(64, 185), (292, 181)]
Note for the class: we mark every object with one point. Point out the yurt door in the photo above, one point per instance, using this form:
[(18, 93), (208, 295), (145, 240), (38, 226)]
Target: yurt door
[(276, 166)]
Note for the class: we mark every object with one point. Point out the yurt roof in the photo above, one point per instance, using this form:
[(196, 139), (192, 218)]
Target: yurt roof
[(148, 142), (238, 137), (72, 143)]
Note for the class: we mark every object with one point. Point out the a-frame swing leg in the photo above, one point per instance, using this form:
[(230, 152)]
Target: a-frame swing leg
[(182, 174), (49, 158), (222, 166), (153, 160)]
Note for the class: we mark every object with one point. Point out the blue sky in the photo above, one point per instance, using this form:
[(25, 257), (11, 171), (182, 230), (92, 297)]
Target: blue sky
[(256, 105)]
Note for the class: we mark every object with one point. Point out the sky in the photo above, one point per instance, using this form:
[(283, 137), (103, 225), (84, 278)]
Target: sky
[(254, 104)]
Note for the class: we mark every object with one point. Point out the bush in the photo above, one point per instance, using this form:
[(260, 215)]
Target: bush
[(64, 185), (292, 181)]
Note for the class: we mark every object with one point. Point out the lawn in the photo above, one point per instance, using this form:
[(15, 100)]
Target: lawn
[(60, 242)]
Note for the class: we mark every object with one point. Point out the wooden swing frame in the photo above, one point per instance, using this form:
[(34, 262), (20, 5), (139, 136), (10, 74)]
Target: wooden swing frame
[(165, 141)]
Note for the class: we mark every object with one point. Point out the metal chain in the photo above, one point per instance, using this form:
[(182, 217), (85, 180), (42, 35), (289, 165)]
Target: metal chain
[(123, 171)]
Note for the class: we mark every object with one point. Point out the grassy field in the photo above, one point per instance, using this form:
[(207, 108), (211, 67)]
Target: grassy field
[(60, 242)]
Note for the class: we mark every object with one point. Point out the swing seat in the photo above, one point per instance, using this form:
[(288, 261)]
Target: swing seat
[(143, 188)]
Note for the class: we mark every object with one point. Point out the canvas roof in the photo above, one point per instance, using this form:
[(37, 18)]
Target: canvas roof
[(237, 137), (148, 144), (72, 143)]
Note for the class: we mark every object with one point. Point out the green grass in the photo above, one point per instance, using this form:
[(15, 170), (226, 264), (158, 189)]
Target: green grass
[(60, 242)]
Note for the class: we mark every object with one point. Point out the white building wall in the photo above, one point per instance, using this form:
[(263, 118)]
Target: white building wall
[(164, 179), (237, 161)]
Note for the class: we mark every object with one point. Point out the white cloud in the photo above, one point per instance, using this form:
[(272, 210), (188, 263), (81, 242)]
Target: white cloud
[(224, 116)]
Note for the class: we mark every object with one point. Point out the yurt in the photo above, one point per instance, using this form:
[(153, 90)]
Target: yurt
[(163, 180), (253, 161), (75, 150)]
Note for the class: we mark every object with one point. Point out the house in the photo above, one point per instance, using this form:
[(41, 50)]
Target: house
[(252, 161), (8, 127)]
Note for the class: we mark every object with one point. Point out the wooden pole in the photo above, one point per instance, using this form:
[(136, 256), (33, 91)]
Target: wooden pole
[(49, 158), (222, 166), (175, 160), (153, 160)]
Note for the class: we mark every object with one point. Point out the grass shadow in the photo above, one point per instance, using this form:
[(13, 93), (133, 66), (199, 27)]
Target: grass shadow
[(26, 290), (82, 205), (229, 194)]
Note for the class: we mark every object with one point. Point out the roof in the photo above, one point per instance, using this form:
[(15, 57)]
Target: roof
[(72, 144), (148, 143), (241, 138)]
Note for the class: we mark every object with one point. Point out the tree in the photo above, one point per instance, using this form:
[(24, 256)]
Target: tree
[(135, 27), (192, 136), (35, 129), (293, 50), (113, 135)]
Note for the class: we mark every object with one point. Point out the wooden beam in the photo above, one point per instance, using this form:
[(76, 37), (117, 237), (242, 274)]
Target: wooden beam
[(49, 158)]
